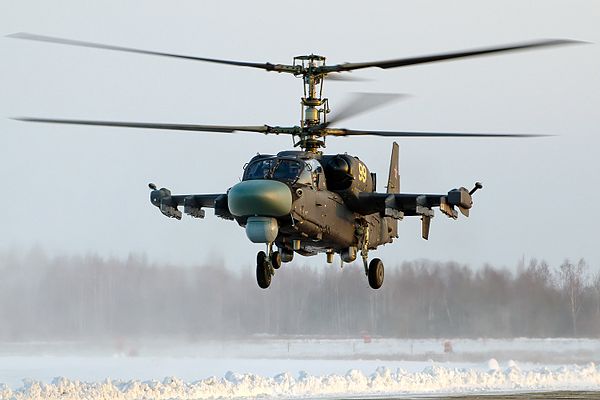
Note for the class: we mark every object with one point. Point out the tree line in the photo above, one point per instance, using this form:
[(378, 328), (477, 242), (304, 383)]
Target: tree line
[(89, 297)]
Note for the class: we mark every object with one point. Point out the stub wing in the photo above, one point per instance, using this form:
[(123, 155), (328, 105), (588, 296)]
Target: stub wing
[(400, 205), (193, 204)]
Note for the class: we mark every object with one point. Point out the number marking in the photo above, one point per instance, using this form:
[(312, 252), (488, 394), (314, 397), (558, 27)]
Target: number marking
[(362, 173)]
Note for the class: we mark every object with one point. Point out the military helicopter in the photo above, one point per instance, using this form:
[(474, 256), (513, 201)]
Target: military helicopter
[(304, 201)]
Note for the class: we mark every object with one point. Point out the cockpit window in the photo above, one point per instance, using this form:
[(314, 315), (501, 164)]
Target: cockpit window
[(287, 170), (278, 169), (259, 169)]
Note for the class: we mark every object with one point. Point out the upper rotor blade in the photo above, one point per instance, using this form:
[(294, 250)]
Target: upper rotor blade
[(351, 132), (337, 77), (149, 125), (361, 103), (70, 42), (402, 62)]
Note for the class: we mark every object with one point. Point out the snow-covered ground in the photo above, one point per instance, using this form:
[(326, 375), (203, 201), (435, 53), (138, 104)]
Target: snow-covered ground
[(268, 367)]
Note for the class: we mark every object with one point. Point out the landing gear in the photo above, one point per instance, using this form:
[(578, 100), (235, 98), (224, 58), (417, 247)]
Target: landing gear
[(374, 269), (287, 255), (375, 273), (266, 266), (276, 259), (263, 270)]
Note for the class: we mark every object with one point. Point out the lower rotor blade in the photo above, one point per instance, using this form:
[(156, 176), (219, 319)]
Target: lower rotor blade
[(149, 125), (351, 132), (335, 76), (362, 103)]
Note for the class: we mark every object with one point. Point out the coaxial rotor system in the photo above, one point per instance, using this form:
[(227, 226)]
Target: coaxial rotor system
[(313, 70)]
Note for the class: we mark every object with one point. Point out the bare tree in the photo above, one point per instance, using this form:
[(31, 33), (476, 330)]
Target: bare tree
[(596, 286), (572, 280)]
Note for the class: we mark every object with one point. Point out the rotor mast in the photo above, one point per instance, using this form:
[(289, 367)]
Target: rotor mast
[(314, 107)]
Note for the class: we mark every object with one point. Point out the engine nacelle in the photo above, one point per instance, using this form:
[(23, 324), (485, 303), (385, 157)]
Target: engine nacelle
[(338, 172), (348, 176)]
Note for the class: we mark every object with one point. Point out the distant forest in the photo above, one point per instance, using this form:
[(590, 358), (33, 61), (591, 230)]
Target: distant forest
[(80, 298)]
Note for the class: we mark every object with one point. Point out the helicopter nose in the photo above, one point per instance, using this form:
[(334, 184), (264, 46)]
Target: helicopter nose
[(265, 198)]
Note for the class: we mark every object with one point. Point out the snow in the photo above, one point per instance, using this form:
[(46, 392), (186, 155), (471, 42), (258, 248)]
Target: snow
[(383, 381), (297, 368), (493, 365)]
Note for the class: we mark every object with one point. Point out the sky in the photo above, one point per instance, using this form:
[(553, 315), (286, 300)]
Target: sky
[(78, 190)]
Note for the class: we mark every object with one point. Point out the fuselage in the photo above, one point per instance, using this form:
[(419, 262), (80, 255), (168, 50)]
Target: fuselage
[(306, 203)]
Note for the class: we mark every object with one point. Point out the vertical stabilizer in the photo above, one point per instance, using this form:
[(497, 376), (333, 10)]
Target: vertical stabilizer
[(393, 186)]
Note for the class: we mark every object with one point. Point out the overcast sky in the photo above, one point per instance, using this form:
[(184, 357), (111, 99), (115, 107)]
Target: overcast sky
[(73, 189)]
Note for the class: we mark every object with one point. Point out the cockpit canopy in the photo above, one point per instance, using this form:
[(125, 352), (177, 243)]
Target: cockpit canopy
[(281, 169)]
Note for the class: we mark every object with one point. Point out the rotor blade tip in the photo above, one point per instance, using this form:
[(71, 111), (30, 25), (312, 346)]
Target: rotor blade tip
[(559, 42), (581, 42), (571, 41), (20, 35)]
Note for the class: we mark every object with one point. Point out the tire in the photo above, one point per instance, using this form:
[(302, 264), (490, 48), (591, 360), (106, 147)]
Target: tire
[(376, 273), (287, 255), (263, 274), (276, 259)]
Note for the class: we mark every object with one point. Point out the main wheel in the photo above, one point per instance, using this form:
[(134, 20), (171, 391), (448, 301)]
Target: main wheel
[(263, 272), (376, 273), (276, 259)]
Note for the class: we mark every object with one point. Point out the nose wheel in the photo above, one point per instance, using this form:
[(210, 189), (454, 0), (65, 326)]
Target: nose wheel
[(263, 270), (266, 266)]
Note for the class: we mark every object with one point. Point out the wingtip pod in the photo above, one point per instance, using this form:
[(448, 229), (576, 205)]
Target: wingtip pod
[(461, 198), (162, 199)]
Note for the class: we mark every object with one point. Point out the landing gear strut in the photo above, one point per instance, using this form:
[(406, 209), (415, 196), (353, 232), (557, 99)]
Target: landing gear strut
[(266, 266), (373, 270)]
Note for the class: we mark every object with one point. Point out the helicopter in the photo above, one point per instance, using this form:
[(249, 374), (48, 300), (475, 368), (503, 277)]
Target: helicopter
[(304, 201)]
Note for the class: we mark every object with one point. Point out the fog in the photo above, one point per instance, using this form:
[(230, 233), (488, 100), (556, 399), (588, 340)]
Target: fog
[(91, 298)]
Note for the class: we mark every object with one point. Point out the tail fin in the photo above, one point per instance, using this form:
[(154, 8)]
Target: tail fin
[(393, 186)]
